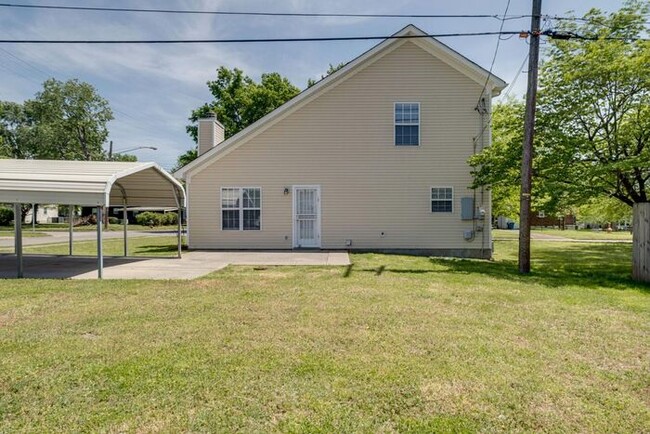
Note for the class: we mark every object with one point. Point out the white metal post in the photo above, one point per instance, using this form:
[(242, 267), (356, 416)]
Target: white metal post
[(125, 222), (100, 252), (18, 239), (180, 231), (179, 209), (70, 228)]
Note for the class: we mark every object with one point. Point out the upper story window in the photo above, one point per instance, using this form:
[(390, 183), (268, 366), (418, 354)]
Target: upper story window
[(442, 199), (241, 208), (407, 123)]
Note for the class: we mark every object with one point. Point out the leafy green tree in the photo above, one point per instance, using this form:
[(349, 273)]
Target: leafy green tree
[(65, 121), (16, 138), (70, 121), (593, 131), (332, 69), (238, 102), (501, 158), (604, 210), (186, 158), (594, 109)]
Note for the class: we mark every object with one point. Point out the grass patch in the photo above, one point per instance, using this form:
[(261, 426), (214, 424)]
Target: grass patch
[(572, 234), (588, 234), (390, 343), (164, 245)]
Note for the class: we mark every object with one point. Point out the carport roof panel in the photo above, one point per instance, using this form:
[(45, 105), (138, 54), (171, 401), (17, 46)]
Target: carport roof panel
[(85, 182)]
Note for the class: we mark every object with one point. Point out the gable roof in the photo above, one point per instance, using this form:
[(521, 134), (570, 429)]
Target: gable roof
[(429, 44)]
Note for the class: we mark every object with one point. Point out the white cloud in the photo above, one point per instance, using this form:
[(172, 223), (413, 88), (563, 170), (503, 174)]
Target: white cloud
[(153, 88)]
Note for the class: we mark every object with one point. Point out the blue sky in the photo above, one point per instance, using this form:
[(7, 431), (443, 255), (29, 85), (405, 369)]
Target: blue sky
[(152, 89)]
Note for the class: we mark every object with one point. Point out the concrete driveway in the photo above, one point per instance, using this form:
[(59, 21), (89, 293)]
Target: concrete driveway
[(192, 265)]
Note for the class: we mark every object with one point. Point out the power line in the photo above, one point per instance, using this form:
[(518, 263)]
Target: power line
[(36, 80), (494, 58), (244, 41), (254, 13), (514, 80), (511, 86), (553, 34), (593, 20), (564, 35)]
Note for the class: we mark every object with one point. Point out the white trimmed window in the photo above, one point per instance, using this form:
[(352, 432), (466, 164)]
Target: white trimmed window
[(241, 208), (442, 199), (407, 124)]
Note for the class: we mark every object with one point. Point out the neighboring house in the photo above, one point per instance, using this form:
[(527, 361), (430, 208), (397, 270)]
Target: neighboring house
[(540, 219), (372, 157), (44, 214)]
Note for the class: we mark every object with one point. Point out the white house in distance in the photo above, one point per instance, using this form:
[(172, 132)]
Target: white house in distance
[(372, 158)]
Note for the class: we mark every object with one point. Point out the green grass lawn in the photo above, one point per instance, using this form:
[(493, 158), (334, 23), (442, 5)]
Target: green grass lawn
[(389, 344), (583, 234), (164, 245), (505, 234)]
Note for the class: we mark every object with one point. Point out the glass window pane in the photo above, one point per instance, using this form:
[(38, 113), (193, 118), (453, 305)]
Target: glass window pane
[(230, 220), (252, 197), (230, 198), (441, 206), (407, 130), (406, 135), (252, 220)]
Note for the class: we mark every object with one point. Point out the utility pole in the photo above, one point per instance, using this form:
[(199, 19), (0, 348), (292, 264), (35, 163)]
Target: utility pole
[(529, 132), (110, 151)]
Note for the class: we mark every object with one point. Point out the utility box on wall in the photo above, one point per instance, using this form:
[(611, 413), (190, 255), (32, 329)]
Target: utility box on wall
[(467, 208)]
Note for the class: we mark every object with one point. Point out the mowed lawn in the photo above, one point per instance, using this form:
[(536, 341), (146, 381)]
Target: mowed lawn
[(582, 234), (389, 344)]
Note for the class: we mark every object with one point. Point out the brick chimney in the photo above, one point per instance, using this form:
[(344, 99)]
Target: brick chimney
[(210, 134)]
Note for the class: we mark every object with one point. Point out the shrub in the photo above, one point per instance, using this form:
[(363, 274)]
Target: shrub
[(113, 220), (170, 218), (150, 218), (6, 216)]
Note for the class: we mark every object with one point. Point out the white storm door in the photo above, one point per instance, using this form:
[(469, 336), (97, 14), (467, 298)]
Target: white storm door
[(306, 216)]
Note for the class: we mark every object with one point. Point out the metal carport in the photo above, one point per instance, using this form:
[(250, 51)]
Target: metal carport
[(87, 183)]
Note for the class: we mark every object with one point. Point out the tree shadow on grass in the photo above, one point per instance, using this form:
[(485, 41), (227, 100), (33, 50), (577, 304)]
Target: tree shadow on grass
[(587, 265), (145, 250)]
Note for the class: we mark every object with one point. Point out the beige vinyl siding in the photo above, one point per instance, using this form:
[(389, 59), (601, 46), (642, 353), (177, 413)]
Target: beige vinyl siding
[(344, 141)]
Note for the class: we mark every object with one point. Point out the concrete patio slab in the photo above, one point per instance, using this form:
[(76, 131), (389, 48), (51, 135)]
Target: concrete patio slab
[(192, 265)]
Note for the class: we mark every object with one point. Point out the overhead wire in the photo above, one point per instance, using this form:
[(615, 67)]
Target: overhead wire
[(494, 57), (40, 73), (255, 13), (252, 40)]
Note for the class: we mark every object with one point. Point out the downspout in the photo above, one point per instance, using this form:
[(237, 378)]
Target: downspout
[(482, 109)]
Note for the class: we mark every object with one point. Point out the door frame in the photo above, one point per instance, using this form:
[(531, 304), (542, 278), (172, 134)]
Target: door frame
[(294, 227)]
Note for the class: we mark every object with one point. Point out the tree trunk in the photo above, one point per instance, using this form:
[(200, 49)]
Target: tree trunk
[(641, 242)]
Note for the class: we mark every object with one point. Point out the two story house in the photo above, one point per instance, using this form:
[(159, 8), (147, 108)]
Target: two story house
[(371, 158)]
